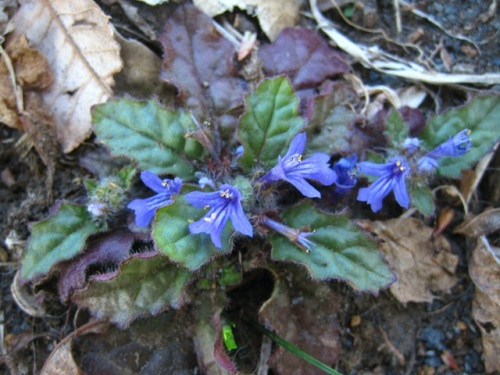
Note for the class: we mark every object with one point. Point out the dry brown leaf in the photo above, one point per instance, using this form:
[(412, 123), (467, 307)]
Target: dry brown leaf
[(76, 38), (424, 264), (61, 361), (274, 16), (484, 270), (482, 224)]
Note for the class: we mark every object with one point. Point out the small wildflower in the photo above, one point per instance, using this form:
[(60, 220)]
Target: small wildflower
[(224, 204), (145, 208), (410, 145), (294, 235), (454, 146), (293, 169), (392, 178), (346, 174)]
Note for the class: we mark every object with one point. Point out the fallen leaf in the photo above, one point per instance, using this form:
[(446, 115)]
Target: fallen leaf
[(485, 223), (311, 322), (78, 41), (139, 76), (424, 264), (274, 16), (61, 361), (304, 56), (199, 62), (484, 270), (444, 219)]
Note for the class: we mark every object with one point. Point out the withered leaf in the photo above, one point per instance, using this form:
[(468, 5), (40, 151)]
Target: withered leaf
[(311, 322), (484, 270), (76, 38), (199, 62), (273, 16), (424, 264), (485, 223), (303, 56)]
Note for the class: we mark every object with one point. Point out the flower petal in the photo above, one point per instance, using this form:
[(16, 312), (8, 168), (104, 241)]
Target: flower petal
[(304, 187), (315, 168), (297, 145), (240, 220), (374, 169), (201, 199), (152, 181), (400, 192)]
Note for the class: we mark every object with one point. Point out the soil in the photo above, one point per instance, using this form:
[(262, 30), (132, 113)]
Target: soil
[(378, 335)]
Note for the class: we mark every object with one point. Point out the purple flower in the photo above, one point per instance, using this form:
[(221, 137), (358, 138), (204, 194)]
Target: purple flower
[(346, 175), (294, 235), (224, 204), (145, 208), (454, 146), (392, 177), (293, 169)]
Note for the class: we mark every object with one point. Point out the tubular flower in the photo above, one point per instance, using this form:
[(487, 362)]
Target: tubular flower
[(391, 178), (295, 170), (454, 146), (294, 235), (224, 204), (145, 208), (346, 174)]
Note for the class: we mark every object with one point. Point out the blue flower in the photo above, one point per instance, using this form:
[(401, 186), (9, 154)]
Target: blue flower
[(454, 146), (224, 204), (346, 174), (145, 208), (293, 169), (392, 178), (294, 235)]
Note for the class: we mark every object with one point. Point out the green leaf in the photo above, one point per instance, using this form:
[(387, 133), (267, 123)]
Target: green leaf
[(396, 128), (481, 116), (228, 337), (270, 121), (172, 237), (422, 199), (149, 134), (340, 250), (57, 238), (142, 285)]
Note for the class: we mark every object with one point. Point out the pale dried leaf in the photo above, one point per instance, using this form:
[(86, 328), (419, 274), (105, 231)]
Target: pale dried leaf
[(76, 38), (485, 223), (484, 270), (273, 16), (61, 361), (424, 263)]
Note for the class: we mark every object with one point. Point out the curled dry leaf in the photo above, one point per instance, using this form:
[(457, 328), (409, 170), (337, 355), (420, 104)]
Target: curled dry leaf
[(484, 270), (273, 16), (61, 361), (76, 38), (485, 223), (424, 263)]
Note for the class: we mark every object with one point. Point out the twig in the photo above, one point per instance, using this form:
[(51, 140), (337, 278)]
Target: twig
[(392, 348), (265, 354), (397, 13)]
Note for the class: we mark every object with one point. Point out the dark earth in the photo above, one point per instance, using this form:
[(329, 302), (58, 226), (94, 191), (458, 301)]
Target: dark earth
[(378, 334)]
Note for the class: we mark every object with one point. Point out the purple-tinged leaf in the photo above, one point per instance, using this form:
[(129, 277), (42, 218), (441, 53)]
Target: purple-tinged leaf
[(414, 118), (104, 253), (145, 284), (199, 62), (304, 56)]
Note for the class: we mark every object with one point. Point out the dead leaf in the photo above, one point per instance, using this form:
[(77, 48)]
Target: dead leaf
[(485, 223), (444, 219), (484, 270), (304, 56), (77, 39), (61, 361), (139, 76), (424, 264), (311, 322), (274, 16), (199, 62)]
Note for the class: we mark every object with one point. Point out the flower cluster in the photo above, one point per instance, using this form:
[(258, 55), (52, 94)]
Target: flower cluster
[(225, 203)]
